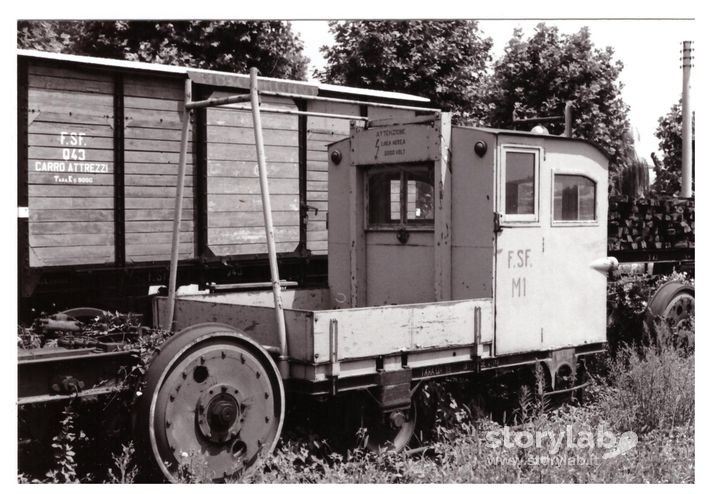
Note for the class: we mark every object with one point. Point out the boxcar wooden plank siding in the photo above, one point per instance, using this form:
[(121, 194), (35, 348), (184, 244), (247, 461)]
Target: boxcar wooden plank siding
[(43, 81), (64, 72), (251, 186), (151, 238), (68, 118), (154, 87), (157, 252), (280, 154), (62, 190), (166, 214), (156, 192), (183, 256), (156, 203), (150, 158), (318, 197), (38, 217), (231, 203), (160, 250), (316, 176), (90, 103), (147, 226), (69, 240), (320, 132), (148, 133), (252, 218), (70, 203), (166, 169), (225, 117), (251, 249), (153, 120), (251, 235), (68, 256), (158, 119), (160, 145), (317, 166), (233, 183), (70, 169), (241, 135), (153, 181), (73, 227), (153, 103), (317, 185), (245, 169)]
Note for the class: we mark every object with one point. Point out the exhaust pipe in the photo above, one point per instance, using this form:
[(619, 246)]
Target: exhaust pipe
[(568, 116)]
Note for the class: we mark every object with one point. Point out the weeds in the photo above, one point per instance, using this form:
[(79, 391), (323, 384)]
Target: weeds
[(125, 469), (64, 451), (653, 388)]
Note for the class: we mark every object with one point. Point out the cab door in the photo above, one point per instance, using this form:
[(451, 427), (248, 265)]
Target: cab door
[(575, 242), (519, 244), (399, 233)]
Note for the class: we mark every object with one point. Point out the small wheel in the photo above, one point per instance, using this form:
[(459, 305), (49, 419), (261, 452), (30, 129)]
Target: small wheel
[(393, 434), (212, 404), (673, 302)]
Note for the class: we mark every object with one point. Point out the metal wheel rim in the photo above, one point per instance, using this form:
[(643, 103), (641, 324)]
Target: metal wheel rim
[(182, 442), (682, 306), (673, 300)]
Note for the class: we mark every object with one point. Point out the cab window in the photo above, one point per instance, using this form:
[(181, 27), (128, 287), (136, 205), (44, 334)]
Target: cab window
[(573, 198), (520, 184), (400, 195)]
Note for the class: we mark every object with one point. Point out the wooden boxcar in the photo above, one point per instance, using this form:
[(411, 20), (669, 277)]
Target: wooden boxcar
[(98, 149)]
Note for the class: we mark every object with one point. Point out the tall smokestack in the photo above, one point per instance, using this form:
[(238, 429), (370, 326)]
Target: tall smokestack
[(687, 133)]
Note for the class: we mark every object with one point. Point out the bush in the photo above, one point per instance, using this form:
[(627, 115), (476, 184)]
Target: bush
[(653, 387), (627, 302)]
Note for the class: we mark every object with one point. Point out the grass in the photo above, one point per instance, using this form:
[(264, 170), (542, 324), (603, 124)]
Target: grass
[(646, 389)]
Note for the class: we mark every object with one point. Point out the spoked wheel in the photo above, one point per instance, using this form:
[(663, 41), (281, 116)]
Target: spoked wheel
[(673, 302), (393, 433), (213, 403)]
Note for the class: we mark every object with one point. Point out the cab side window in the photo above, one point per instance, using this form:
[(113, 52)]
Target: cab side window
[(573, 198)]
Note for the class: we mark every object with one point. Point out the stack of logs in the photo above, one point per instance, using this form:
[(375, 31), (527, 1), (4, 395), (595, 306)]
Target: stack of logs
[(651, 223)]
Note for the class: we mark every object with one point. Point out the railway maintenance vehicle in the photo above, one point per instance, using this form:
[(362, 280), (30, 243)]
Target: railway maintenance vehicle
[(451, 251)]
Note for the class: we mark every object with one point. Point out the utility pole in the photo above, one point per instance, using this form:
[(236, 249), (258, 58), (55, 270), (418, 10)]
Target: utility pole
[(687, 132)]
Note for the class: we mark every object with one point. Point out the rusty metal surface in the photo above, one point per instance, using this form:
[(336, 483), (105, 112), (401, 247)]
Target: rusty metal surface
[(214, 392), (50, 374)]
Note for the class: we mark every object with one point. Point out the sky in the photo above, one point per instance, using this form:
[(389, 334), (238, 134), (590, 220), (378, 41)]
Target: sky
[(649, 50)]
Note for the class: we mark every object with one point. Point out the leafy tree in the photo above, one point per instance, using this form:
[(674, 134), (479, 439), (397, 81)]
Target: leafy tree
[(441, 60), (538, 75), (54, 36), (668, 170), (231, 46)]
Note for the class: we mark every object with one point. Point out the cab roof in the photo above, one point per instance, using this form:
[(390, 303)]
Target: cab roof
[(524, 133)]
